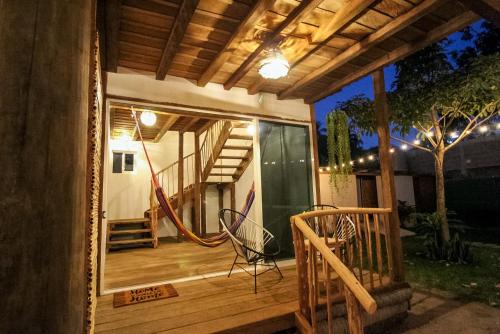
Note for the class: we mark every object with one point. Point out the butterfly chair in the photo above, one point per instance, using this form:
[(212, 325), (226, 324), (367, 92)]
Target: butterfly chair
[(345, 229), (252, 242)]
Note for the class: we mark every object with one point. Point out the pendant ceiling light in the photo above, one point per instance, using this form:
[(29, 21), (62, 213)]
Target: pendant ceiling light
[(148, 118), (274, 66)]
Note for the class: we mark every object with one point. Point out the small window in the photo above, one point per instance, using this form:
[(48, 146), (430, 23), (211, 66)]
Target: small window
[(123, 162), (129, 162), (117, 162)]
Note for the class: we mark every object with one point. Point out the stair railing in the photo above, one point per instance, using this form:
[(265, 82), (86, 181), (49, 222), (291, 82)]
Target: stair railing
[(348, 264), (215, 138)]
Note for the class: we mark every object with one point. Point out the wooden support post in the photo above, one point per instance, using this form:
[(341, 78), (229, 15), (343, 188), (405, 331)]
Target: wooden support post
[(315, 165), (203, 210), (197, 185), (180, 183), (232, 188), (387, 173), (43, 155), (220, 188)]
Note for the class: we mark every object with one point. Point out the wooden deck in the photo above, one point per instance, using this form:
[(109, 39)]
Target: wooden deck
[(218, 304), (170, 261)]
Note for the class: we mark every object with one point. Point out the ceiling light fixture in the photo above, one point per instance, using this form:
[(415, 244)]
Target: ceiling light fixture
[(274, 66), (148, 118), (251, 129)]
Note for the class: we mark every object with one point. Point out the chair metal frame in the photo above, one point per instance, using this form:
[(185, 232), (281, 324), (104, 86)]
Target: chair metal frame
[(243, 245)]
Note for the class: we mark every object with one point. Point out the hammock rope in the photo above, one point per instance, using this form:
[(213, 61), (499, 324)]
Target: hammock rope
[(172, 215)]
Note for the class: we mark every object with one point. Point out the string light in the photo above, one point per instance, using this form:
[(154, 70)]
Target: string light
[(370, 157), (328, 168), (361, 160), (351, 162), (404, 147), (429, 133), (392, 150), (453, 135), (416, 142), (498, 126), (483, 129)]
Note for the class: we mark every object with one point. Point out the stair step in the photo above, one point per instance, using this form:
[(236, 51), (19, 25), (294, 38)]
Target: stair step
[(221, 174), (129, 221), (232, 157), (226, 166), (130, 241), (134, 231), (236, 147), (240, 137)]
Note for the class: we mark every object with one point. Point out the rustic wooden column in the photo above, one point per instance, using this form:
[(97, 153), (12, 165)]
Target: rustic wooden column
[(204, 209), (197, 186), (180, 183), (387, 173), (314, 141), (220, 188), (44, 70)]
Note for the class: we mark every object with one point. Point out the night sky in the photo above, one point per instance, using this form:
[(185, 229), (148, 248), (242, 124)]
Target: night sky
[(365, 86)]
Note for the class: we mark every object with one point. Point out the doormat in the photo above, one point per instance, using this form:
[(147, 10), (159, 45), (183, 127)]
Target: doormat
[(144, 295)]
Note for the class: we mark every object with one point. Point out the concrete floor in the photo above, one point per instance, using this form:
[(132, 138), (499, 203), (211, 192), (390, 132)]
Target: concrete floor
[(436, 313)]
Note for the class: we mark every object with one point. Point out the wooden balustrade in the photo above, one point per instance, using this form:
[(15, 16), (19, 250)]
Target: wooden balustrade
[(351, 247)]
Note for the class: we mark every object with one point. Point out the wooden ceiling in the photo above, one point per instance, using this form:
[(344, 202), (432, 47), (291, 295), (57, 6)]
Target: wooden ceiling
[(122, 123), (329, 43)]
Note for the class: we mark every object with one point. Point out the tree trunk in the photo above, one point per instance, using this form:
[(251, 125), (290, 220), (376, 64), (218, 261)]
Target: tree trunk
[(440, 195)]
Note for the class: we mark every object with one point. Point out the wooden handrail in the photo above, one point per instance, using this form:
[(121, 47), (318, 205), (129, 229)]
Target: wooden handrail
[(343, 211), (364, 298), (173, 164)]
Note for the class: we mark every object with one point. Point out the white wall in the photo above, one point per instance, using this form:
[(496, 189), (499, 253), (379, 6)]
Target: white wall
[(346, 197), (182, 91), (128, 193)]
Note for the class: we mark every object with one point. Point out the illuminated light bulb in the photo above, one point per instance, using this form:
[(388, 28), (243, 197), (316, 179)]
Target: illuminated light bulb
[(429, 133), (370, 157), (251, 129), (343, 164), (125, 137), (391, 150), (335, 167), (498, 126), (320, 169), (148, 118), (351, 162), (416, 142), (483, 129), (468, 132), (453, 135), (274, 66), (404, 147), (361, 160), (328, 168)]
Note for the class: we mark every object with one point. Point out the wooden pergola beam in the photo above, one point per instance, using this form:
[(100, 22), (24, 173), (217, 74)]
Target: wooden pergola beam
[(435, 35), (232, 44), (488, 9), (186, 11), (112, 13), (370, 41), (345, 16), (303, 8)]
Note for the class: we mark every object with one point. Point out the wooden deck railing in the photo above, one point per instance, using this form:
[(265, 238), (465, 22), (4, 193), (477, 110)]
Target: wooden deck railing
[(352, 248)]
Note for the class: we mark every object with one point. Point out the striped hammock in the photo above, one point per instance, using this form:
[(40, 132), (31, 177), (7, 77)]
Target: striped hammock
[(171, 214)]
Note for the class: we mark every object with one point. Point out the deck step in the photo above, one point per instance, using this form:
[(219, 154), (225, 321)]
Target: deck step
[(218, 174), (134, 231), (128, 221), (226, 166), (130, 241), (232, 157)]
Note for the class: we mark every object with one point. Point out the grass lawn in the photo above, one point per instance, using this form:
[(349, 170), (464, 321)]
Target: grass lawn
[(479, 281)]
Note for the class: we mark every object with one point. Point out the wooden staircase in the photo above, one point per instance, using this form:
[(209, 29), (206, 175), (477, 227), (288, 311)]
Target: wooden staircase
[(223, 157), (123, 233)]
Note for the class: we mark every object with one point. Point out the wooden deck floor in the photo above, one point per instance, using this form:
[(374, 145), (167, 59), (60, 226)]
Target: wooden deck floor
[(171, 260), (218, 304)]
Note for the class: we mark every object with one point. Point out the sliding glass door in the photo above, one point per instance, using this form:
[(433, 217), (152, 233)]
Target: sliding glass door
[(286, 178)]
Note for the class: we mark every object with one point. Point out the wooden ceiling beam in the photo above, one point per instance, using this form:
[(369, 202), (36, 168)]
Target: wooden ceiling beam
[(232, 44), (192, 122), (345, 16), (186, 11), (435, 35), (488, 9), (305, 7), (206, 126), (166, 126), (113, 14), (370, 41)]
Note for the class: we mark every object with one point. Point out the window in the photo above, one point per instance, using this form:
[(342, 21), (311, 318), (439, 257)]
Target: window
[(123, 162)]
